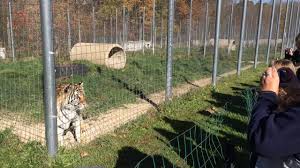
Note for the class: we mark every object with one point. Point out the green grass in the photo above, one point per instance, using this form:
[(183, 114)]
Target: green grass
[(21, 82), (151, 133)]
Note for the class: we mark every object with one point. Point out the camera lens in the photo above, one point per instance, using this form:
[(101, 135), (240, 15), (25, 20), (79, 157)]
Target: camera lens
[(285, 75), (298, 74)]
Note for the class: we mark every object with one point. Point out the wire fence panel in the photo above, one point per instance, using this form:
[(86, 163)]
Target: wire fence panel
[(195, 147), (111, 59), (21, 98), (119, 80)]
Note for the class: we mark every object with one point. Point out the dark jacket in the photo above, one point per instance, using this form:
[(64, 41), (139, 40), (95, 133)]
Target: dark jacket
[(273, 135)]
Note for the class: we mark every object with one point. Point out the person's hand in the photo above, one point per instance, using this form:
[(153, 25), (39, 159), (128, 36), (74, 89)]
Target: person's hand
[(289, 51), (270, 80)]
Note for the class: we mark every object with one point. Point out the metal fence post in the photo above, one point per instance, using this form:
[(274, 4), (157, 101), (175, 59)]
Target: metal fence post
[(205, 28), (104, 31), (284, 28), (111, 29), (69, 30), (153, 28), (11, 33), (190, 27), (216, 54), (242, 38), (170, 50), (94, 25), (124, 24), (8, 33), (296, 25), (270, 31), (179, 32), (298, 28), (143, 36), (79, 31), (161, 32), (49, 77), (258, 32), (140, 28), (116, 24), (230, 27), (201, 34), (290, 24), (278, 29)]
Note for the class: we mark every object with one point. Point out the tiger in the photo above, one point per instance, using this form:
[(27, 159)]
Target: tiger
[(70, 102)]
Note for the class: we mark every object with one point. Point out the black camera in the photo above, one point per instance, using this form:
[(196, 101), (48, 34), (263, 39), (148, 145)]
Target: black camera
[(286, 75)]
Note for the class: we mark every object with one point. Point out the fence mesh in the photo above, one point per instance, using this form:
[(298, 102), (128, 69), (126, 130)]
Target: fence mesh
[(118, 51), (195, 146), (21, 104)]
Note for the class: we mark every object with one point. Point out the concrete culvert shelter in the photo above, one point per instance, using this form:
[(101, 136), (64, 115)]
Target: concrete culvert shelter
[(111, 55), (223, 43)]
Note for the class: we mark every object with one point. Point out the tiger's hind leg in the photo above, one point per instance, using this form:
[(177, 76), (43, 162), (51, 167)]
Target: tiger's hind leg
[(75, 130), (77, 124), (60, 136)]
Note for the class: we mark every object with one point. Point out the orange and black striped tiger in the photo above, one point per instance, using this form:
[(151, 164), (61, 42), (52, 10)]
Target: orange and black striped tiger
[(70, 102)]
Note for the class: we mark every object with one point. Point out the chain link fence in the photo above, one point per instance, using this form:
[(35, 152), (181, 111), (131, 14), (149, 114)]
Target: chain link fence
[(117, 51)]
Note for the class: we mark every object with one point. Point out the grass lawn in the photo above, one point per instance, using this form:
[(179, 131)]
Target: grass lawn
[(151, 133), (21, 82)]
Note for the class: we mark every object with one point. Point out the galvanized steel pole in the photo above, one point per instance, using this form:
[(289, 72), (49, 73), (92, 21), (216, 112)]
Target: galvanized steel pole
[(116, 24), (161, 32), (143, 41), (190, 27), (270, 31), (216, 47), (153, 28), (79, 31), (104, 31), (8, 33), (278, 29), (230, 27), (111, 29), (180, 38), (205, 28), (296, 25), (11, 32), (69, 30), (123, 25), (94, 25), (284, 28), (290, 24), (170, 50), (242, 38), (49, 77), (258, 32)]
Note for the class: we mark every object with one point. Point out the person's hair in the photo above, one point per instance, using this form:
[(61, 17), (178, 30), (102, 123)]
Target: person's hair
[(284, 63), (297, 40), (290, 95)]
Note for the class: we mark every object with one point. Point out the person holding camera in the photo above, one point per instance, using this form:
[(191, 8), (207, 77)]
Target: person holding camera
[(274, 136), (292, 55)]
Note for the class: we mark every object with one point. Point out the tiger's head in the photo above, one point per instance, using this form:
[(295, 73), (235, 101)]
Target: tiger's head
[(76, 95)]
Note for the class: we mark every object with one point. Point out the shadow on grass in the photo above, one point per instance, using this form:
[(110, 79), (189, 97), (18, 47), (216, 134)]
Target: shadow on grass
[(136, 91), (195, 146), (131, 157), (189, 82), (236, 120), (236, 102), (205, 113), (245, 85)]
